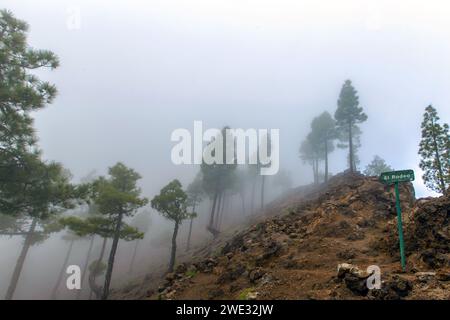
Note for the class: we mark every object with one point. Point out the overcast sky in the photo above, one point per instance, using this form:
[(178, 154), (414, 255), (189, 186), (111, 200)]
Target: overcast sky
[(136, 70)]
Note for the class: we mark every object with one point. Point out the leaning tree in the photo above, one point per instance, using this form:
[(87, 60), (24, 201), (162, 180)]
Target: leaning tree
[(104, 227), (172, 204), (117, 197)]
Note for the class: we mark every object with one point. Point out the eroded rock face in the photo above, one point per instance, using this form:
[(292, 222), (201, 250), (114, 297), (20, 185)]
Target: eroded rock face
[(294, 254), (426, 232)]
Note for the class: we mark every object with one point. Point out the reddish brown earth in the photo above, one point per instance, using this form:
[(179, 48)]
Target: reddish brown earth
[(293, 251)]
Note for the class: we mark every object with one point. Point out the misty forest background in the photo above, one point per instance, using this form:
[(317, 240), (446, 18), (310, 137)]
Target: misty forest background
[(86, 176)]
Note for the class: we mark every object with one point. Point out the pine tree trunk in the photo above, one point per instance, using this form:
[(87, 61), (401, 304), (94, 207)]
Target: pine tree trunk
[(439, 164), (219, 207), (174, 247), (112, 255), (262, 191), (243, 203), (20, 261), (326, 160), (350, 147), (61, 272), (252, 203), (188, 244), (220, 215), (86, 265), (134, 256), (314, 171), (317, 171), (92, 276), (213, 209)]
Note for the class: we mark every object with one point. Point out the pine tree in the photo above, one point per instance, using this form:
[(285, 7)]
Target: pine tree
[(52, 194), (253, 173), (434, 149), (218, 177), (71, 238), (117, 197), (194, 192), (21, 92), (31, 190), (323, 132), (348, 115), (376, 167), (260, 166), (172, 204), (309, 154)]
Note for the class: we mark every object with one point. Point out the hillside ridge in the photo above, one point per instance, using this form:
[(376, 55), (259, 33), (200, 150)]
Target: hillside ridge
[(317, 243)]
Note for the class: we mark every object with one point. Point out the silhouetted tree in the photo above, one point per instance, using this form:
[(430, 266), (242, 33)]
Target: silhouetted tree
[(260, 165), (142, 223), (217, 177), (105, 227), (194, 192), (71, 239), (348, 115), (323, 132), (376, 167), (309, 153), (253, 173)]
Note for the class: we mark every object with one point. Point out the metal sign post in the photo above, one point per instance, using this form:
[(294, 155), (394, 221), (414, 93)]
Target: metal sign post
[(395, 177)]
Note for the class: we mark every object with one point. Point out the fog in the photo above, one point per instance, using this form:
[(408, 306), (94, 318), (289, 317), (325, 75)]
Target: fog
[(134, 71)]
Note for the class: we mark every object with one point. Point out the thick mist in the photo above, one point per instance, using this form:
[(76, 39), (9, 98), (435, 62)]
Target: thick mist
[(134, 71)]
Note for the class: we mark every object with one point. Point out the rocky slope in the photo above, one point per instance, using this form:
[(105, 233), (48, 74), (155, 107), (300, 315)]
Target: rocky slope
[(317, 244)]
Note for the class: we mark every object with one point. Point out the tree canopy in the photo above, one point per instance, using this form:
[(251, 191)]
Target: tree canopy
[(348, 115), (434, 149), (377, 166)]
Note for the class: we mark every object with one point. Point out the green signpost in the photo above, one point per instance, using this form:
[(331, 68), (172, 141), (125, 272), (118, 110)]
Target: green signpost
[(395, 177)]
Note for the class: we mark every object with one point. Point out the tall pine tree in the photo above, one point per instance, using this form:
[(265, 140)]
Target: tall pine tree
[(377, 167), (434, 148), (31, 190), (103, 226), (348, 115), (117, 197), (323, 132), (172, 204), (218, 177)]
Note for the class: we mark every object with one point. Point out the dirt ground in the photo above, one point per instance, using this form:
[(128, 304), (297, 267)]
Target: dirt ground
[(294, 249)]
